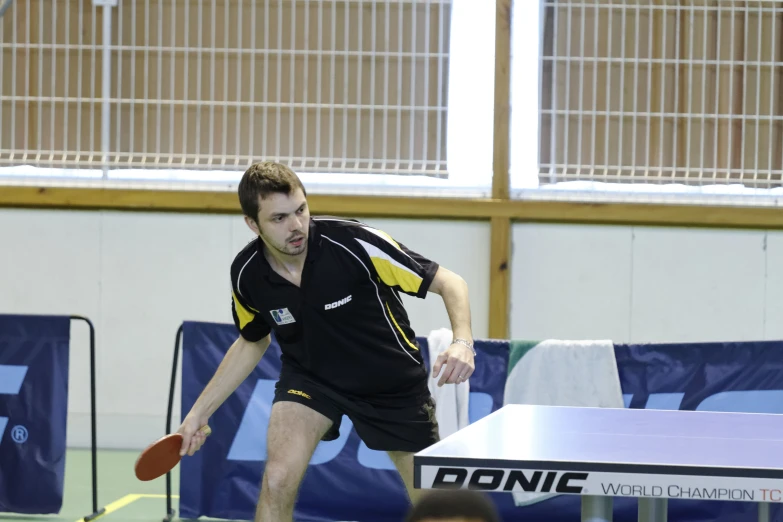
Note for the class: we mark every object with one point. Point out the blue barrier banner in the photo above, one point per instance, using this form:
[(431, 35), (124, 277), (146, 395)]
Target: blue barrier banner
[(223, 479), (346, 481), (33, 412)]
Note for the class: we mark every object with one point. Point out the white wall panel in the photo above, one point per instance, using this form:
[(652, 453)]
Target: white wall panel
[(773, 292), (570, 282), (158, 271), (693, 285), (50, 264)]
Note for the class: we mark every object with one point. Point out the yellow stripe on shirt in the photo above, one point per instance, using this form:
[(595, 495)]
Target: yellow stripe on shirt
[(245, 316), (393, 274), (391, 271), (400, 329)]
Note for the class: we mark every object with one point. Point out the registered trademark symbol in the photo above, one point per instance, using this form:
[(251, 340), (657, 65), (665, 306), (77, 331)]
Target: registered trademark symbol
[(19, 434)]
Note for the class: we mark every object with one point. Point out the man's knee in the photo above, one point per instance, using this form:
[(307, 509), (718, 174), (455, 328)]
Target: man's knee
[(281, 480)]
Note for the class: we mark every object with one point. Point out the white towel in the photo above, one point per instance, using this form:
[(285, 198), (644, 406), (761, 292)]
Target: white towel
[(564, 373), (451, 400)]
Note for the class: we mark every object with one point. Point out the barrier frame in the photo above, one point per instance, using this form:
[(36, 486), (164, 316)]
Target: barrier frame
[(170, 512), (96, 512), (93, 423)]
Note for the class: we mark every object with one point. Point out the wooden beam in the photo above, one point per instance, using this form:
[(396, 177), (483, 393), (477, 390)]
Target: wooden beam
[(644, 214), (521, 211), (403, 207), (227, 202), (34, 56), (502, 106), (500, 226), (91, 198), (499, 279), (656, 86)]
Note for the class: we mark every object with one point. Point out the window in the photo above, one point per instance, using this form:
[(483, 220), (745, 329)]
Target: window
[(353, 94), (649, 98)]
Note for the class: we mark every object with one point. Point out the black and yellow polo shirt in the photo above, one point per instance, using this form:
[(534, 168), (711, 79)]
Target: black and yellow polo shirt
[(346, 326)]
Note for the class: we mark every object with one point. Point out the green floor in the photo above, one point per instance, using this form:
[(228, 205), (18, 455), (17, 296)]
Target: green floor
[(127, 498)]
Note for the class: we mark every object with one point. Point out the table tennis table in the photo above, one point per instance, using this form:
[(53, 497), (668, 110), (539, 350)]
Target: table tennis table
[(602, 453)]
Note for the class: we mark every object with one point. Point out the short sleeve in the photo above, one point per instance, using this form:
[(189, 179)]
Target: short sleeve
[(247, 320), (393, 263)]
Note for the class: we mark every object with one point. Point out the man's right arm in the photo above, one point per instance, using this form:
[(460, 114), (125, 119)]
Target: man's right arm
[(238, 363), (240, 360)]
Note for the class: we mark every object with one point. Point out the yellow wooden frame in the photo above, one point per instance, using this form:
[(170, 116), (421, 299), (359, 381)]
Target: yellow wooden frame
[(484, 209), (499, 210)]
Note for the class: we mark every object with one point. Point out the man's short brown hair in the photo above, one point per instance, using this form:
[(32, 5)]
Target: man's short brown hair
[(262, 179)]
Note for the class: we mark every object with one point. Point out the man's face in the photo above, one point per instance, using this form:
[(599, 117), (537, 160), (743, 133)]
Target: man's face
[(284, 222)]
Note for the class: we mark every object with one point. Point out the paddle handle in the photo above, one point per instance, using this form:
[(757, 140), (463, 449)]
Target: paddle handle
[(206, 430)]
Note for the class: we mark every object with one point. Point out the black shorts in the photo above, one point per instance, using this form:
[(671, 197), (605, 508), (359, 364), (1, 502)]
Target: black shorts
[(409, 425)]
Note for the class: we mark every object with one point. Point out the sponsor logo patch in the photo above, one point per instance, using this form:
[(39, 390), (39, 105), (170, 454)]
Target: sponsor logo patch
[(282, 316)]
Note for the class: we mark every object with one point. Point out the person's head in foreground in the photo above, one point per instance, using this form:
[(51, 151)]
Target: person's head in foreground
[(453, 505)]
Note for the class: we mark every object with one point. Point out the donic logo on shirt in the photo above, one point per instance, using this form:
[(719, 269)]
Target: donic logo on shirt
[(282, 316), (337, 303)]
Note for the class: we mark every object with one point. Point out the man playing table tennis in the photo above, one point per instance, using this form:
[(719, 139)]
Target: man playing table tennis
[(329, 289)]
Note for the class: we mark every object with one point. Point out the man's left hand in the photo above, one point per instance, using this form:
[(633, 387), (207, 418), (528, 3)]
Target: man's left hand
[(457, 365)]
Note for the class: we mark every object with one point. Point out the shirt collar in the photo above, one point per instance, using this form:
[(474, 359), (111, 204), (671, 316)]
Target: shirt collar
[(313, 242)]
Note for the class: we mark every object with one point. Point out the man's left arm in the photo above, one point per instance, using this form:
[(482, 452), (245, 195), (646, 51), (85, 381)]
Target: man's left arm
[(456, 362), (407, 271)]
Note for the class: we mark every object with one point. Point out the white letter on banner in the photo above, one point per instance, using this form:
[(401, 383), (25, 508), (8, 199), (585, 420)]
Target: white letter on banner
[(11, 379), (250, 440), (744, 401)]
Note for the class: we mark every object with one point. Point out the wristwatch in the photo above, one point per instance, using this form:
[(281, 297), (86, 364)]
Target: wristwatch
[(466, 343)]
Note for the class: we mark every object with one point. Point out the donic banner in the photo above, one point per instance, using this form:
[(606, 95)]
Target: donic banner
[(348, 481), (33, 412)]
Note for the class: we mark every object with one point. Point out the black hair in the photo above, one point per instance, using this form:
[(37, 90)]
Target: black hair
[(262, 179)]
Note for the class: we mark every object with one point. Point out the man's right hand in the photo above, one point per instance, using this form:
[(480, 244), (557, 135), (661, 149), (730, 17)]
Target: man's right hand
[(192, 436)]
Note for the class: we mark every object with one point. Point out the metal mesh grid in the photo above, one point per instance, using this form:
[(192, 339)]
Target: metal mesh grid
[(49, 106), (348, 86), (662, 91)]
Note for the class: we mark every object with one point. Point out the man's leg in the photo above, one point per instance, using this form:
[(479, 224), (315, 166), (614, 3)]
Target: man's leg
[(403, 461), (400, 432), (294, 432)]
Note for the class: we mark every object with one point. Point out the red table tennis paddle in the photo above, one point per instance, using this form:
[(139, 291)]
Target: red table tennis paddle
[(161, 456)]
